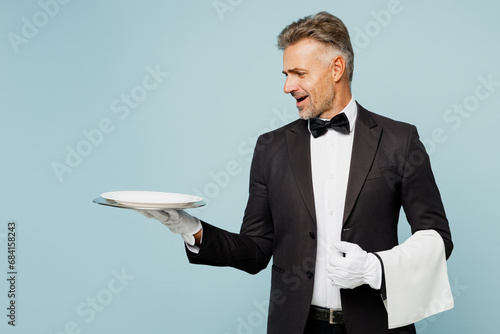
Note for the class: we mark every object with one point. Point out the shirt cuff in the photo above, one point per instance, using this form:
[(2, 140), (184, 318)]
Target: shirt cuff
[(190, 243), (193, 249)]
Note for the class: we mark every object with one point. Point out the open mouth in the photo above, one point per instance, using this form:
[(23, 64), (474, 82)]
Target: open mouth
[(301, 98)]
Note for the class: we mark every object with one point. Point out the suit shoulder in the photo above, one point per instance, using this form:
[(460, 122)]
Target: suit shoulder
[(386, 121), (274, 141), (371, 118), (280, 132), (297, 123)]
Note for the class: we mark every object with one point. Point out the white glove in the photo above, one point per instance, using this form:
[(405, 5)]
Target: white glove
[(178, 221), (356, 268)]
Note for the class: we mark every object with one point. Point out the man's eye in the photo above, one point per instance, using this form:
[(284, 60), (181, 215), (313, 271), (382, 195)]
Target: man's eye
[(300, 74)]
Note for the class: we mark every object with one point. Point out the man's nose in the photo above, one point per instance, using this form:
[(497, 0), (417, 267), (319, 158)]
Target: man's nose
[(290, 85)]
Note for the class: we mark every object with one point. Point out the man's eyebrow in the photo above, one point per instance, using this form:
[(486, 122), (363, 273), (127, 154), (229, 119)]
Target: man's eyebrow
[(293, 70)]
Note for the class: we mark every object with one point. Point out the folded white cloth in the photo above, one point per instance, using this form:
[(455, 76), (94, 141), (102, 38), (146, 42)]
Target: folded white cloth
[(416, 279)]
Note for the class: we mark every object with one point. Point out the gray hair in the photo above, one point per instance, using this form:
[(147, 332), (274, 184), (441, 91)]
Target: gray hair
[(325, 28)]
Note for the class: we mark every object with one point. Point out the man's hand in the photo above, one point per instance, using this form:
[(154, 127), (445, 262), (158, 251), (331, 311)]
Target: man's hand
[(178, 221), (356, 268)]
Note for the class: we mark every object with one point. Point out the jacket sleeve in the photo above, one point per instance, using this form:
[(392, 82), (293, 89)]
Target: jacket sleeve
[(251, 249), (420, 196)]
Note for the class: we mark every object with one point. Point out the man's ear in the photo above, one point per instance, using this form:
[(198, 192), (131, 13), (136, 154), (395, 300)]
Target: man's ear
[(338, 68)]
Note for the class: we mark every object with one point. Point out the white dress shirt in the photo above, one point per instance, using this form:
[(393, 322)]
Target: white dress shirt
[(330, 162)]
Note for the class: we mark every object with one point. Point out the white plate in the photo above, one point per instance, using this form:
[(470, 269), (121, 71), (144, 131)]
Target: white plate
[(151, 199), (109, 202)]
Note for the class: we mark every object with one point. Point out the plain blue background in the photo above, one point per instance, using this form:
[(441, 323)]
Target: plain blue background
[(67, 68)]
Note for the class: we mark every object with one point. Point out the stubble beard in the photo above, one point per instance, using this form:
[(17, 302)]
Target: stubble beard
[(306, 113), (313, 110)]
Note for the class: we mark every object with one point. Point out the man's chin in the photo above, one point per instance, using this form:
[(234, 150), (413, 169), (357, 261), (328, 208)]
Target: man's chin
[(305, 113)]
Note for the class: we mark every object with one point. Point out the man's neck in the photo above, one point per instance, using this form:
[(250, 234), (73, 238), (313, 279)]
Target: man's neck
[(340, 101)]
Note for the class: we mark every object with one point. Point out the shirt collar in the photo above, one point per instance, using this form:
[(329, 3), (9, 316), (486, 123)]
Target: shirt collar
[(350, 110)]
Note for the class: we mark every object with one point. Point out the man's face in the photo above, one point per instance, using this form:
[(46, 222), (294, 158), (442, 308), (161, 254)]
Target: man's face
[(308, 67)]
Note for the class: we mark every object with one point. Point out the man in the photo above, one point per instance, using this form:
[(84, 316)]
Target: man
[(324, 201)]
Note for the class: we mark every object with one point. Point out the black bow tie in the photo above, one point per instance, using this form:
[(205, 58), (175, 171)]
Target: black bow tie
[(319, 127)]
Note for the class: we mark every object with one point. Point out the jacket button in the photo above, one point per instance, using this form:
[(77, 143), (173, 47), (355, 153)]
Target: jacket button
[(309, 274), (312, 235)]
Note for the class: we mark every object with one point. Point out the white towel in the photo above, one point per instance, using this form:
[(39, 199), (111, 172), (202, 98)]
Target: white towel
[(416, 279)]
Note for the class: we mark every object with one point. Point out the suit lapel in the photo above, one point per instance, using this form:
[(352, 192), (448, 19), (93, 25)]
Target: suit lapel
[(366, 138), (299, 152)]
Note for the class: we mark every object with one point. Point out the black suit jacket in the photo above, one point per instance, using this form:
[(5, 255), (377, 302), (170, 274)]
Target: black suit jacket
[(389, 170)]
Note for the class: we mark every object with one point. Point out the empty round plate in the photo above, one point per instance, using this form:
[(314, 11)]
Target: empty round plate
[(151, 199)]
